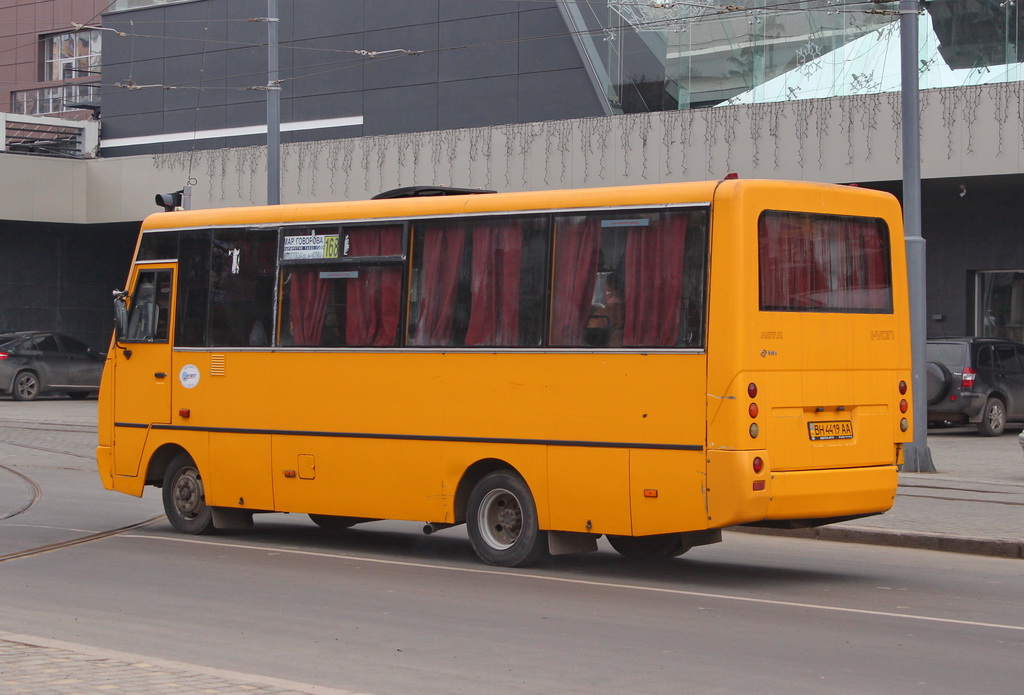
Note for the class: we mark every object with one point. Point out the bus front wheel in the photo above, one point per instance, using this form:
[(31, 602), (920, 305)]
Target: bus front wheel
[(502, 521), (185, 497), (657, 547)]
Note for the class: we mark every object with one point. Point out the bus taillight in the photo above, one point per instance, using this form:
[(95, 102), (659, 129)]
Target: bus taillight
[(904, 405), (903, 388), (967, 380), (752, 410), (752, 389), (758, 464)]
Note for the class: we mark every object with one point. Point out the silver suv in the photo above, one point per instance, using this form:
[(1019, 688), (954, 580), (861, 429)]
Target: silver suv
[(975, 380)]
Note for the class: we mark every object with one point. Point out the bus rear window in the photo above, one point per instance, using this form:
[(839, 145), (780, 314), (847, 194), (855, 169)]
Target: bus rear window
[(824, 263)]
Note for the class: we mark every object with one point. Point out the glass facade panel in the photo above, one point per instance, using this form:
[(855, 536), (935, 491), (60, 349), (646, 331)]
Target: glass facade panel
[(674, 55), (1000, 304)]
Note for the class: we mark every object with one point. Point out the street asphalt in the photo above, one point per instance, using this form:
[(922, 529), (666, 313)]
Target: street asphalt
[(973, 503)]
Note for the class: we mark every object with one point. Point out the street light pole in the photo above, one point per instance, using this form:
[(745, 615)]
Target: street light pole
[(917, 457), (273, 108)]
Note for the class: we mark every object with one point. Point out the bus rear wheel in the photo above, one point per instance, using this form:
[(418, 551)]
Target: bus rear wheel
[(185, 497), (502, 521), (658, 547)]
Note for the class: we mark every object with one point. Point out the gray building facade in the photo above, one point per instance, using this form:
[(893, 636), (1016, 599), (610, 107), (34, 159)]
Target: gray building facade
[(522, 95)]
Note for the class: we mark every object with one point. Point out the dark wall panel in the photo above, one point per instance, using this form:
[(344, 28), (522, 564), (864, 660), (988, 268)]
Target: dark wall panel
[(478, 47), (471, 103), (60, 277), (545, 43), (388, 14), (479, 63), (552, 96), (400, 110)]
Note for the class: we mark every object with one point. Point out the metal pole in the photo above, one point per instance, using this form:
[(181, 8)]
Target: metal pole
[(918, 458), (273, 109)]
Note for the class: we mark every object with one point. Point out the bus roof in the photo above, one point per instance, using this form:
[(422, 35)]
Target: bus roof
[(616, 196)]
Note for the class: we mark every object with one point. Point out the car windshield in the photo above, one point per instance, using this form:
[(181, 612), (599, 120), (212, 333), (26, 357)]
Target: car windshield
[(950, 354)]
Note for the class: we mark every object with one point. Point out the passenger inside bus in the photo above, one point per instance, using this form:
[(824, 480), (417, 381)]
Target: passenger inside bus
[(607, 316)]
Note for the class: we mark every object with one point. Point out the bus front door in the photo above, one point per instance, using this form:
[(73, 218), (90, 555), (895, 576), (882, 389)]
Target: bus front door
[(142, 365)]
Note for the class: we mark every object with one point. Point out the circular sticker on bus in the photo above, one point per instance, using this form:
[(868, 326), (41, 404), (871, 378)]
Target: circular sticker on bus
[(189, 376)]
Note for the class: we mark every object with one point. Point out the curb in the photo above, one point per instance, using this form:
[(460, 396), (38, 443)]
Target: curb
[(899, 539)]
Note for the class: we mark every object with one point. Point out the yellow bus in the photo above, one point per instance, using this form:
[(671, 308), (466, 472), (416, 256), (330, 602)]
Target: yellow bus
[(648, 363)]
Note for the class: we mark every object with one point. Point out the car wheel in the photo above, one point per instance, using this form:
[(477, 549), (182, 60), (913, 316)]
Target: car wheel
[(26, 387), (993, 418), (939, 379), (657, 547), (185, 497), (502, 521)]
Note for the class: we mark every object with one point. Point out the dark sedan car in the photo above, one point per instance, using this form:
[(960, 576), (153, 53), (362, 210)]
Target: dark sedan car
[(35, 362)]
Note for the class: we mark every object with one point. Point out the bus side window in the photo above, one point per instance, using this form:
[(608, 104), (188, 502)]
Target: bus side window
[(150, 308), (142, 320), (630, 279)]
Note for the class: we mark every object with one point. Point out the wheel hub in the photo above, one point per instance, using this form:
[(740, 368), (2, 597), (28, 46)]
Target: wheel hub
[(501, 519), (188, 494)]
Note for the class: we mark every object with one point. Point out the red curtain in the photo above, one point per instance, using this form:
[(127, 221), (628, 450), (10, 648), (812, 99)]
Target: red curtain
[(373, 299), (577, 246), (654, 282), (497, 259), (864, 246), (438, 282), (308, 306), (823, 263), (793, 266)]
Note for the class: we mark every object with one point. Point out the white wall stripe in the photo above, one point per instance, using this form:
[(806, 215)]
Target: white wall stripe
[(342, 122)]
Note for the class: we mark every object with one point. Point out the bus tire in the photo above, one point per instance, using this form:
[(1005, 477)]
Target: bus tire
[(993, 418), (502, 521), (658, 547), (185, 497)]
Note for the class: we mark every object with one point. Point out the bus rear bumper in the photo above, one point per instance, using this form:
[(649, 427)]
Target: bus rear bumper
[(737, 495), (837, 493)]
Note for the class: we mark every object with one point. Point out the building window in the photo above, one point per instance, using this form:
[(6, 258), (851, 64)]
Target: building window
[(999, 312), (71, 55)]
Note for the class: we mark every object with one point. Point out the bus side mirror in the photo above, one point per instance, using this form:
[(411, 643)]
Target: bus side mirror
[(120, 314)]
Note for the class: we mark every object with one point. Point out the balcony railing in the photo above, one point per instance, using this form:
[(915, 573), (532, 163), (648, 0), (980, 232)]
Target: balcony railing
[(72, 96), (56, 137)]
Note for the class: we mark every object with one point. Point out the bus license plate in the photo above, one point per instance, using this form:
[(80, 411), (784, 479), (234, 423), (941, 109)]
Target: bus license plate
[(835, 429)]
